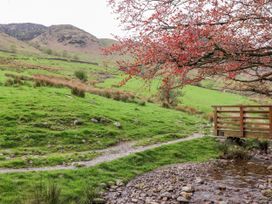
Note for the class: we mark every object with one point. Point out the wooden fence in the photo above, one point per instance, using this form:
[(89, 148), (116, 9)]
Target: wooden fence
[(243, 121)]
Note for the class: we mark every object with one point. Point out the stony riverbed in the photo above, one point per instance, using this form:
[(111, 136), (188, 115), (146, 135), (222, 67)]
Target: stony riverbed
[(220, 181)]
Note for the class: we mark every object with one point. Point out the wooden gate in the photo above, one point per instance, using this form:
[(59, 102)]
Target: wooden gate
[(243, 121)]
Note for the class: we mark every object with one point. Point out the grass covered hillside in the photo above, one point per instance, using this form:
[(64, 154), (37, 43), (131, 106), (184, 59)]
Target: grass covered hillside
[(197, 97), (12, 45), (45, 125), (59, 112)]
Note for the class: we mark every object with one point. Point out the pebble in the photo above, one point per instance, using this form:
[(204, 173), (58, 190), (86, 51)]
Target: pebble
[(94, 120), (267, 193), (117, 124), (182, 199), (187, 189), (199, 180), (269, 167), (186, 195), (78, 122)]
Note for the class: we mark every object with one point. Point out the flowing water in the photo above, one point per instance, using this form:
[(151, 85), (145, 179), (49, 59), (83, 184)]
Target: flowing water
[(236, 182)]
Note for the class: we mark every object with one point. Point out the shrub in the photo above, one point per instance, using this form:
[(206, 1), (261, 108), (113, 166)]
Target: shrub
[(230, 150), (48, 51), (53, 194), (91, 195), (14, 81), (263, 145), (9, 82), (187, 109), (43, 194), (141, 103), (209, 117), (75, 57), (78, 92), (13, 48), (81, 75), (65, 54), (168, 97)]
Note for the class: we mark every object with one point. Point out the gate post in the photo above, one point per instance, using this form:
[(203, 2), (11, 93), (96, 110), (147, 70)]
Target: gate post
[(270, 121), (215, 121), (242, 128)]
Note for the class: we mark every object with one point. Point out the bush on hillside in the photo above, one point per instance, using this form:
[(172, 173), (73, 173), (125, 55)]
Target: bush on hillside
[(91, 195), (12, 82), (81, 75), (187, 109), (78, 92), (231, 150), (47, 194)]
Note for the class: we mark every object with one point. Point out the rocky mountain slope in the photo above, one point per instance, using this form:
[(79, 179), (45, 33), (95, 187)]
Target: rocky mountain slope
[(23, 31), (69, 38), (60, 40)]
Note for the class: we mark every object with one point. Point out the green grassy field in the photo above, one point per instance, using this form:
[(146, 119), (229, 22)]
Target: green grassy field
[(197, 97), (35, 122)]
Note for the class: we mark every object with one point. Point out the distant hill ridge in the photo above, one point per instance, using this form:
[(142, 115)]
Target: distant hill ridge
[(23, 31), (54, 40)]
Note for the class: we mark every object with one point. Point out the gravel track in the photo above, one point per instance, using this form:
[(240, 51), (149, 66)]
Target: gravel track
[(110, 154)]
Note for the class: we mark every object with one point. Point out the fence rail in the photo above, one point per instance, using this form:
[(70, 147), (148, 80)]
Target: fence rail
[(243, 121)]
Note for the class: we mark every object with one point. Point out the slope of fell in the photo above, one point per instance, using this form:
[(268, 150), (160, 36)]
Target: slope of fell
[(10, 44), (68, 38), (23, 31)]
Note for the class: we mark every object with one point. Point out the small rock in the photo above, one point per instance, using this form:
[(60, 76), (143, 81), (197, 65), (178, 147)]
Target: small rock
[(182, 200), (119, 183), (143, 195), (221, 188), (269, 167), (186, 195), (78, 122), (79, 165), (134, 200), (98, 200), (222, 202), (117, 124), (187, 189), (104, 120), (199, 180), (261, 186), (103, 185), (166, 194), (94, 120), (114, 187), (165, 198), (267, 193)]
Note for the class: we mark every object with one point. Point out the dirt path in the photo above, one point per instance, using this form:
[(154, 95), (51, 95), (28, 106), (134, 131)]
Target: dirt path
[(109, 154)]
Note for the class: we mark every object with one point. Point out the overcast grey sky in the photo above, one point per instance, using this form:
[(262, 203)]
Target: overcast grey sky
[(91, 15)]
